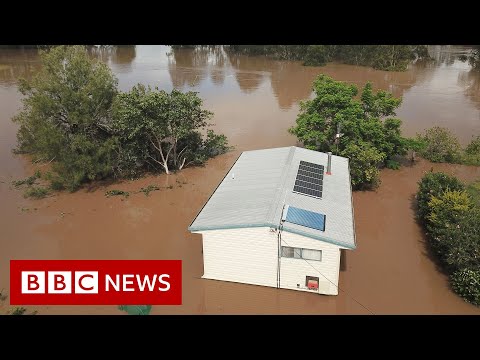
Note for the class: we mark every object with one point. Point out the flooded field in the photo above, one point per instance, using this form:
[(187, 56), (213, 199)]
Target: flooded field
[(255, 101)]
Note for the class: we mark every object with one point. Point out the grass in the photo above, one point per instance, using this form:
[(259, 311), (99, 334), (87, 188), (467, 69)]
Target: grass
[(147, 190), (36, 192), (109, 193)]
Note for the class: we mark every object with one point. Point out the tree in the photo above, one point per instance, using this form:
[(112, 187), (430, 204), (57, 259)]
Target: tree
[(66, 115), (160, 129), (364, 124)]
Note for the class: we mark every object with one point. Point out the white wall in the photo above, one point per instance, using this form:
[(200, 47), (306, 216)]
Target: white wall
[(294, 271), (247, 255)]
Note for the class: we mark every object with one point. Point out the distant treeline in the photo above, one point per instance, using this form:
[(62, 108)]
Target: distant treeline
[(383, 57)]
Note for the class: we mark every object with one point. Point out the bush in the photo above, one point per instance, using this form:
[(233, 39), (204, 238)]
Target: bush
[(466, 283), (474, 147), (464, 243), (452, 219), (36, 192), (434, 184), (472, 153), (452, 234), (392, 164), (441, 145), (446, 209), (364, 160)]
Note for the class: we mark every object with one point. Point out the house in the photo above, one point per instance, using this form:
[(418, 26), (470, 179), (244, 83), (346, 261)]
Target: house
[(279, 218)]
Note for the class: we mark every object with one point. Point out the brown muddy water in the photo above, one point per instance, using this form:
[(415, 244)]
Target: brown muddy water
[(255, 101)]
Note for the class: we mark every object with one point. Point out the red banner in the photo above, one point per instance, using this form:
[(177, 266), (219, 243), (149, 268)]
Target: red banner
[(95, 282)]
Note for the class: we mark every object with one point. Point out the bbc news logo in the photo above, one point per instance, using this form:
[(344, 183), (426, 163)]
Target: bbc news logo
[(95, 282)]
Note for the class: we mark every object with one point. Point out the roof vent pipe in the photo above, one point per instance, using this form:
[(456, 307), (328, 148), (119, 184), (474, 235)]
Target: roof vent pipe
[(329, 163)]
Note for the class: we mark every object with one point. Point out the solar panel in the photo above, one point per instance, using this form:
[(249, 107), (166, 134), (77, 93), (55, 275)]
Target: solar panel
[(306, 218), (309, 179)]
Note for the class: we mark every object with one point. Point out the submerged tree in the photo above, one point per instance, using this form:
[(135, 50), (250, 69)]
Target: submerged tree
[(368, 135), (74, 117), (66, 115), (161, 128)]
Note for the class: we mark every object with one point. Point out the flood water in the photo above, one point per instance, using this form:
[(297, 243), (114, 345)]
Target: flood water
[(255, 101)]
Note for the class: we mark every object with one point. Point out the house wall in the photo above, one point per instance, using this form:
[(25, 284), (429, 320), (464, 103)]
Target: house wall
[(294, 271), (249, 255)]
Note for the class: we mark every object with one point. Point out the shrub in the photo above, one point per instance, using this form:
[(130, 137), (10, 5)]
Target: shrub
[(364, 160), (147, 190), (441, 145), (472, 153), (392, 164), (474, 191), (466, 283), (434, 184), (474, 146), (36, 192), (463, 243), (450, 232), (109, 193)]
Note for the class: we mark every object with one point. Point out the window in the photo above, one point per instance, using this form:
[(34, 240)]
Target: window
[(298, 253), (312, 254), (291, 252)]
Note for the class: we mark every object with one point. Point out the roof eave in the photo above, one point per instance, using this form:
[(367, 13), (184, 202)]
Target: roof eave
[(285, 228)]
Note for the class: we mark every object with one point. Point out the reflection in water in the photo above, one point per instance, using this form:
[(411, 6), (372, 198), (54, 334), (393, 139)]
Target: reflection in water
[(470, 81), (188, 67), (17, 63), (447, 54), (249, 71), (115, 54)]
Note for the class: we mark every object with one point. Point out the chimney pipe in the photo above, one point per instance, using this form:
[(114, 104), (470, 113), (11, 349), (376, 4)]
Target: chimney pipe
[(329, 163)]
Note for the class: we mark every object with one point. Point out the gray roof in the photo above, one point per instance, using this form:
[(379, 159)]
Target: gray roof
[(260, 183)]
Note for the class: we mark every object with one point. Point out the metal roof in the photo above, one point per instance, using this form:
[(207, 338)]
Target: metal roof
[(259, 185)]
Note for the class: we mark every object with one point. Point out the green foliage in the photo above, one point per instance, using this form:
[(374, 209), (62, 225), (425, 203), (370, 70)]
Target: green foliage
[(472, 153), (384, 57), (66, 115), (136, 309), (74, 117), (446, 212), (392, 164), (362, 128), (19, 310), (445, 209), (109, 193), (441, 145), (474, 191), (434, 184), (474, 147), (364, 159), (36, 192), (452, 220), (27, 181), (160, 130), (147, 190), (466, 283), (3, 296)]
